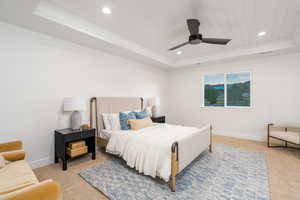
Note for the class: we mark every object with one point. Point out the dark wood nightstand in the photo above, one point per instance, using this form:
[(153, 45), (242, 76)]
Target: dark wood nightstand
[(65, 136), (160, 119)]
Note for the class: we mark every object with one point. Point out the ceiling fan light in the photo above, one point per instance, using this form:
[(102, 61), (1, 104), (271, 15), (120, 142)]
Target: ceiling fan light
[(179, 52)]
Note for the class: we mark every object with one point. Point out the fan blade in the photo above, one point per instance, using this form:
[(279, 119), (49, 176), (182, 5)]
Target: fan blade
[(193, 25), (215, 41), (178, 46)]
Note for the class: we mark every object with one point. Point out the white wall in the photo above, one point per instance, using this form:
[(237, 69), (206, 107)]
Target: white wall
[(276, 97), (38, 71)]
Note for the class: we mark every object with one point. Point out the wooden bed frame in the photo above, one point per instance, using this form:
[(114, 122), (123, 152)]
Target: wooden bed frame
[(103, 142)]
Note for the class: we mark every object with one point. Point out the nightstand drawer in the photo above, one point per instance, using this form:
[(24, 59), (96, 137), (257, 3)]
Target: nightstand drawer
[(72, 137), (88, 134)]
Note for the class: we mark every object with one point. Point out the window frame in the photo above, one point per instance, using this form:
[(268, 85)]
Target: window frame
[(225, 91)]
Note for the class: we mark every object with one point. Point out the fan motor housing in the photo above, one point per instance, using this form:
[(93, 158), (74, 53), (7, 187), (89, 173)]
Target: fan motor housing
[(195, 39)]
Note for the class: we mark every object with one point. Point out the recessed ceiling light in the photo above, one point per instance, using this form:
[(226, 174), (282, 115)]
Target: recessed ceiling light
[(106, 10), (262, 33), (179, 52)]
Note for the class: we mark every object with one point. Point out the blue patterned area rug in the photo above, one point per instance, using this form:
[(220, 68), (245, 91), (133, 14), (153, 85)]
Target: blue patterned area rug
[(226, 173)]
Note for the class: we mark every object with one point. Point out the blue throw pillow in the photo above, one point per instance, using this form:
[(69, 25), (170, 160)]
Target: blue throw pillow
[(141, 115), (124, 117)]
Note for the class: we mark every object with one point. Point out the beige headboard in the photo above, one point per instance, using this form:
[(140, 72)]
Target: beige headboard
[(99, 105)]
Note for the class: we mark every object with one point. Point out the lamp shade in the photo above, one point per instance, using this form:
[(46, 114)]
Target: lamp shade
[(155, 101), (74, 104)]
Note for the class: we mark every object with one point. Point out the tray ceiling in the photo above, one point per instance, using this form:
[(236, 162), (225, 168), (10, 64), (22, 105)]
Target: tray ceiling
[(144, 30)]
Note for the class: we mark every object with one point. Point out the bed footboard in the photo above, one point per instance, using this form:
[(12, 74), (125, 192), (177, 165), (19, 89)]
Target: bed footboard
[(210, 139), (175, 160), (174, 165)]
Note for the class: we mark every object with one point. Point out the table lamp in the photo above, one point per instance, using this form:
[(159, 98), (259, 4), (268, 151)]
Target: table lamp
[(75, 105), (156, 106)]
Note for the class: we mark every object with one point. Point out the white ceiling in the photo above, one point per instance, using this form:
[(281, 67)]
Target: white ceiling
[(145, 30)]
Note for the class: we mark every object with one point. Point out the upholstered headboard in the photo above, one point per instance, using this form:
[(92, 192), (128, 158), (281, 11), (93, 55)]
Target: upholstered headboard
[(99, 105)]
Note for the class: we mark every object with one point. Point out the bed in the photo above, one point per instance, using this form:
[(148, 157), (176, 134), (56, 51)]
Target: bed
[(162, 150)]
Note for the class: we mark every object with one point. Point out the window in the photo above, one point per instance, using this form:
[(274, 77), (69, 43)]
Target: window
[(227, 90)]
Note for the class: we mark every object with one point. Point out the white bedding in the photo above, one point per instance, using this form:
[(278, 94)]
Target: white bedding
[(148, 150), (106, 133)]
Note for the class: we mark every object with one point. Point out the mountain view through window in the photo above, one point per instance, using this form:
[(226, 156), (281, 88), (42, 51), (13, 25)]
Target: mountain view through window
[(227, 90)]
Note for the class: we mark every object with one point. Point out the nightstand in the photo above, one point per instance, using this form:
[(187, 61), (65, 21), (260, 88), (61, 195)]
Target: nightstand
[(160, 119), (65, 136)]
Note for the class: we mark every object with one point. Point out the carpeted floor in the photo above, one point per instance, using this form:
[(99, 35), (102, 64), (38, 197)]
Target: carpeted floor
[(226, 173), (283, 169)]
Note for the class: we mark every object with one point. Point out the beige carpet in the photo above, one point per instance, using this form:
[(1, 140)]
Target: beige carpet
[(284, 172)]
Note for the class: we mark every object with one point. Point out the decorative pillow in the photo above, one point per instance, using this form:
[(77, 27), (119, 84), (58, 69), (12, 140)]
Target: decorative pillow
[(124, 117), (111, 121), (136, 124), (3, 162), (141, 115)]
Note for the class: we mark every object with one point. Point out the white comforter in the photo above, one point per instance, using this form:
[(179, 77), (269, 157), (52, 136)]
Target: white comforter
[(149, 150)]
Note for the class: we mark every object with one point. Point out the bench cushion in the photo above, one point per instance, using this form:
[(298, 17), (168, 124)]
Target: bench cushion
[(289, 136)]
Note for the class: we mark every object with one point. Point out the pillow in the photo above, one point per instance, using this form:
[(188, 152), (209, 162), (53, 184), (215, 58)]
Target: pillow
[(111, 121), (106, 121), (149, 110), (142, 114), (115, 122), (3, 162), (124, 117), (136, 124)]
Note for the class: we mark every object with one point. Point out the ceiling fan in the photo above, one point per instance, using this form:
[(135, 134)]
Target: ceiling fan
[(196, 38)]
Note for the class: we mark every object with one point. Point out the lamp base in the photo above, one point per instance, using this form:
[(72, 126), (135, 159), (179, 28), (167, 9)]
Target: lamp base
[(155, 111), (75, 120)]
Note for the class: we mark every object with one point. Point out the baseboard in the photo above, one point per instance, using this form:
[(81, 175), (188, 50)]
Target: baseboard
[(41, 162), (241, 135)]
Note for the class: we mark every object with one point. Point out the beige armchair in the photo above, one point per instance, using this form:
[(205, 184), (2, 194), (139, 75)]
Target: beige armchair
[(289, 135), (17, 180)]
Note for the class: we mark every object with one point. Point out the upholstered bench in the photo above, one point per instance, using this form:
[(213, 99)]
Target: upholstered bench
[(287, 134)]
